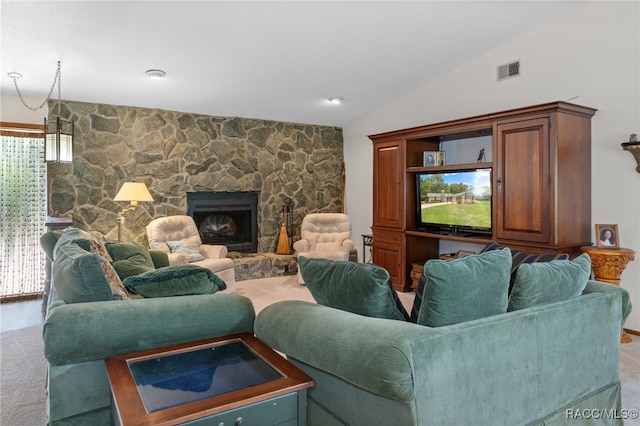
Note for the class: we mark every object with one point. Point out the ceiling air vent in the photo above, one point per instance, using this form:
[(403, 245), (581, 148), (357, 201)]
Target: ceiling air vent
[(508, 70)]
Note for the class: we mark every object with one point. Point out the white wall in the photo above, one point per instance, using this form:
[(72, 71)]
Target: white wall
[(12, 110), (591, 54)]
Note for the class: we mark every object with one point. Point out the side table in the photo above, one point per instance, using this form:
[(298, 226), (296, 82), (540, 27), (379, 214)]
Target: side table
[(607, 265), (54, 223), (230, 380), (367, 241)]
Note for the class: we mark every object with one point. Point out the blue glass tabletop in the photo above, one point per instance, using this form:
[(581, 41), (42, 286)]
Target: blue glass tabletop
[(174, 379)]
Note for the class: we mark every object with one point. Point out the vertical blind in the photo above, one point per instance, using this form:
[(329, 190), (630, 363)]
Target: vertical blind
[(23, 206)]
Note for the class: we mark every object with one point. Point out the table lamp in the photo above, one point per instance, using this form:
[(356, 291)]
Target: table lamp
[(134, 192)]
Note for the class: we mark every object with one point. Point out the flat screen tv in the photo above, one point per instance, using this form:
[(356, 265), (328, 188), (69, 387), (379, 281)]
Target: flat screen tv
[(457, 202)]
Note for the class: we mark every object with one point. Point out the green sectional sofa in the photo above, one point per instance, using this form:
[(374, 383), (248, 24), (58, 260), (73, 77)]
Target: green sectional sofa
[(534, 366), (79, 335)]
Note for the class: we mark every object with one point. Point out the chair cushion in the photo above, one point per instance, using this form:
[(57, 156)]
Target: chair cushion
[(360, 288), (130, 258), (175, 281), (555, 281), (81, 276), (188, 248), (465, 289)]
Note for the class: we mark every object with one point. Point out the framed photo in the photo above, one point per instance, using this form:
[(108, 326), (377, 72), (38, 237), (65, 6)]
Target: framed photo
[(441, 158), (429, 158), (607, 236)]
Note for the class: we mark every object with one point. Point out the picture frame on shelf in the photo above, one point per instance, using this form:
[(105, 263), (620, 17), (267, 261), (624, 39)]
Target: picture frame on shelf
[(607, 236), (441, 158), (429, 158)]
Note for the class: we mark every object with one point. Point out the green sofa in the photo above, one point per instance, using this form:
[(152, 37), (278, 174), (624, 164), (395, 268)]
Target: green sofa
[(534, 366), (79, 336)]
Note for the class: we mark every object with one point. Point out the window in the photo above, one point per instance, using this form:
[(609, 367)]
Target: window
[(23, 210)]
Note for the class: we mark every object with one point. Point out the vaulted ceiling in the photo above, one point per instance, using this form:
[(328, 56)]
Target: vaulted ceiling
[(274, 60)]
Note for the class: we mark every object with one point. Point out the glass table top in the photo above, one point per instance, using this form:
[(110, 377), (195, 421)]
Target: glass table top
[(174, 379)]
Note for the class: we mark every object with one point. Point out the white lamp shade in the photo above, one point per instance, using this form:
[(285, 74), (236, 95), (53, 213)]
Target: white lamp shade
[(133, 191), (66, 148), (50, 148)]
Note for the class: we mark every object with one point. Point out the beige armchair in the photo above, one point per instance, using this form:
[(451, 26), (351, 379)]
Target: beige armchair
[(178, 236), (325, 236)]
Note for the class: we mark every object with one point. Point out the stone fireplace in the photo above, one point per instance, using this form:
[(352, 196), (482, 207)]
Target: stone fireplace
[(226, 218)]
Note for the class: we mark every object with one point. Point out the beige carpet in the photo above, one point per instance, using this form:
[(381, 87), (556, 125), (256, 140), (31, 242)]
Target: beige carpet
[(23, 372), (22, 377), (266, 291)]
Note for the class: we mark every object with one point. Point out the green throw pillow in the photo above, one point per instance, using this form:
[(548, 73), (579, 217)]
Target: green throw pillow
[(465, 289), (176, 280), (542, 283), (72, 234), (78, 275), (130, 258), (360, 288)]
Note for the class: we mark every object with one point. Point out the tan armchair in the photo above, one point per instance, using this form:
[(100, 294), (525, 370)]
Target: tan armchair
[(178, 236), (325, 236)]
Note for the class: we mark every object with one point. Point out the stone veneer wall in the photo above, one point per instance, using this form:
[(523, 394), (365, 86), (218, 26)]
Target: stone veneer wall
[(175, 153)]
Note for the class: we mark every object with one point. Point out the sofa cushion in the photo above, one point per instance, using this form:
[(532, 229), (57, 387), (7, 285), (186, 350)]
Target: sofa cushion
[(118, 292), (465, 289), (98, 247), (78, 275), (360, 288), (130, 258), (548, 282), (175, 281), (520, 257), (82, 238), (188, 248)]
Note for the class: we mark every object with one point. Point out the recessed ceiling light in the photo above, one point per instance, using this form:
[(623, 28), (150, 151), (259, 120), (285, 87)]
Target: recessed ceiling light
[(155, 73), (336, 101)]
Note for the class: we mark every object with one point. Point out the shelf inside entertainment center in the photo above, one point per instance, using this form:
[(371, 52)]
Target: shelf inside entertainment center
[(450, 167), (479, 239)]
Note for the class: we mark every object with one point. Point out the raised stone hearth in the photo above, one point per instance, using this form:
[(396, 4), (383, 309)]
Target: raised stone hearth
[(266, 265), (263, 265)]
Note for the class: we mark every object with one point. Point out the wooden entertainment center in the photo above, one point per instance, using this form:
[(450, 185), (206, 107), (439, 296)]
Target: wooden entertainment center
[(541, 182)]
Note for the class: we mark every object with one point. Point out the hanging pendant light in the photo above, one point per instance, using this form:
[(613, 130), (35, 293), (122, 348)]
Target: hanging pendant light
[(58, 141), (58, 133)]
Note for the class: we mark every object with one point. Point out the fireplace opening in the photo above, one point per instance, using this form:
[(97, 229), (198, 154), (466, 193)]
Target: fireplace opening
[(226, 218)]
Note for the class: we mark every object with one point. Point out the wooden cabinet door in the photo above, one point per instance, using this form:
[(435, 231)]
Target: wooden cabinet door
[(388, 185), (388, 251), (523, 205)]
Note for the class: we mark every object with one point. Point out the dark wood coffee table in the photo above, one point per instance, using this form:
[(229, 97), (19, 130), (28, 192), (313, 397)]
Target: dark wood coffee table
[(232, 380)]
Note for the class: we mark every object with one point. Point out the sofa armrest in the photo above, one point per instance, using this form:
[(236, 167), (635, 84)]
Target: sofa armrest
[(81, 332), (343, 344), (348, 245), (601, 287)]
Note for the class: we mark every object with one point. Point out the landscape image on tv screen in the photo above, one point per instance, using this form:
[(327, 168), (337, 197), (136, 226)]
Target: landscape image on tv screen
[(456, 199)]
